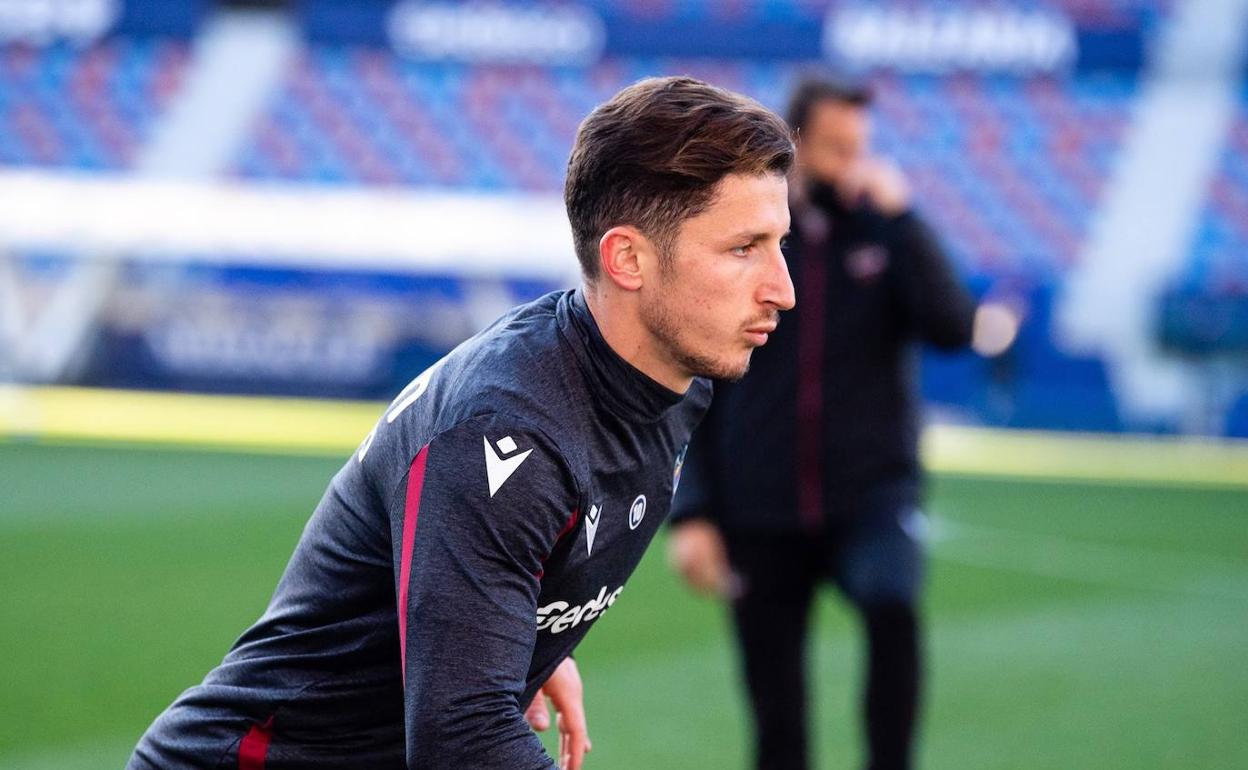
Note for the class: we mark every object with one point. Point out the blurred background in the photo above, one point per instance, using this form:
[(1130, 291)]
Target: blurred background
[(228, 230)]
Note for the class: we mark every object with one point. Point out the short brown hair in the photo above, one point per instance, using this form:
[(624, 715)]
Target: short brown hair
[(652, 156)]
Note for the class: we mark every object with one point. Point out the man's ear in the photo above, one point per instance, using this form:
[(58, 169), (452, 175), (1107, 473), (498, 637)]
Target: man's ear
[(623, 251)]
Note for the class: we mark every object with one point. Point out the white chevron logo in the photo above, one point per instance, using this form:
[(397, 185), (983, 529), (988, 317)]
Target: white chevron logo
[(591, 528), (498, 470)]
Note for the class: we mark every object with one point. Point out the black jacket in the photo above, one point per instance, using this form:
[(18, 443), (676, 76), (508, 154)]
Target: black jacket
[(826, 419)]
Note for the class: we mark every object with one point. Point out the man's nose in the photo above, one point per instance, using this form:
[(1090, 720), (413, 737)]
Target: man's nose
[(777, 288)]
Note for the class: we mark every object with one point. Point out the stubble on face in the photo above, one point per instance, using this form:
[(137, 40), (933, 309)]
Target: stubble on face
[(663, 324)]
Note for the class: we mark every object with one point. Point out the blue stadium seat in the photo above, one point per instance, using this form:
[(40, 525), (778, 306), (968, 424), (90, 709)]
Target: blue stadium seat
[(1219, 251), (89, 108), (1039, 150)]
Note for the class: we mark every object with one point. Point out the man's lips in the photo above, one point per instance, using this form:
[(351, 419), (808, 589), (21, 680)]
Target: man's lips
[(758, 333), (765, 325)]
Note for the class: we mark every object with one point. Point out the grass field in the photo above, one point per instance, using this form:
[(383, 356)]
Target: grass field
[(1072, 625)]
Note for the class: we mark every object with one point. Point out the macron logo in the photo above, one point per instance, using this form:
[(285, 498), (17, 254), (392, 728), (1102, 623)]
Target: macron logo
[(591, 528), (498, 469)]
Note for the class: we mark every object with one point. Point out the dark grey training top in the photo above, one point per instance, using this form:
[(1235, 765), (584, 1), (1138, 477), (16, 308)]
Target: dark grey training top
[(458, 557)]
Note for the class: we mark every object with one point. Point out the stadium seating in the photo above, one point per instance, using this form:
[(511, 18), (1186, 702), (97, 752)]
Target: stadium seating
[(1093, 12), (1219, 262), (84, 107), (364, 115), (1037, 156), (1009, 169)]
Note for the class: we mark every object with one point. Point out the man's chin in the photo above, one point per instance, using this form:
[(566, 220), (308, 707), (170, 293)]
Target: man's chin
[(730, 371)]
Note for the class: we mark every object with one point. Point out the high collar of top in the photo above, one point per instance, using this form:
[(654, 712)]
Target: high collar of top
[(622, 388)]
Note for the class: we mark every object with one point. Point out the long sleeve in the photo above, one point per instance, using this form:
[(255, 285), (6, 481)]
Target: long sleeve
[(937, 307), (479, 510)]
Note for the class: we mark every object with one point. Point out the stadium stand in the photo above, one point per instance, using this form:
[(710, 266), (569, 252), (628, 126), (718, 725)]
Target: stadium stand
[(84, 107), (1205, 310), (1014, 192), (1090, 12), (1011, 168), (1219, 262)]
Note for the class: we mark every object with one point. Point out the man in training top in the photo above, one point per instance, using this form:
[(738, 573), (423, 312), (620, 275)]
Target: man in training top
[(502, 501)]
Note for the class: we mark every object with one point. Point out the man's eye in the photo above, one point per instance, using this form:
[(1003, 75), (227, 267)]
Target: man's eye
[(742, 251), (784, 242)]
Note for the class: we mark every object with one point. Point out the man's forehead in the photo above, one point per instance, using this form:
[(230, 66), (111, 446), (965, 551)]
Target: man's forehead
[(757, 205), (739, 189)]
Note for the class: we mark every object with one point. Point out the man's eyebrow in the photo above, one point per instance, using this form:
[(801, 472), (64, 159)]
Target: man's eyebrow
[(750, 237)]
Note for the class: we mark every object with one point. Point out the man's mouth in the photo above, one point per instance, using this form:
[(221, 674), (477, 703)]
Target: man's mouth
[(758, 332)]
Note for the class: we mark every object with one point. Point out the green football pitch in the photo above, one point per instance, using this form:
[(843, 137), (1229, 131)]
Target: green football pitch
[(1071, 625)]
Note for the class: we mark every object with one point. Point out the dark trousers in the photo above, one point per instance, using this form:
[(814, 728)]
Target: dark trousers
[(877, 562)]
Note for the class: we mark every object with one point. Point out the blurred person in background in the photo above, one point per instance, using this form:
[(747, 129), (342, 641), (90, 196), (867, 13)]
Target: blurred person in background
[(435, 597), (806, 471)]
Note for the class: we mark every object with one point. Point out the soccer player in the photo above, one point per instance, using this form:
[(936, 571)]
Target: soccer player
[(807, 471), (502, 501)]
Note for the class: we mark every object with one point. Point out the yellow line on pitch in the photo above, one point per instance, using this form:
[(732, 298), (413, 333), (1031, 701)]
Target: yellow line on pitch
[(310, 426), (1086, 457), (228, 422)]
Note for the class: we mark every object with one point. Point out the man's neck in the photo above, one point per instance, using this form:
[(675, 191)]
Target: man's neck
[(620, 323)]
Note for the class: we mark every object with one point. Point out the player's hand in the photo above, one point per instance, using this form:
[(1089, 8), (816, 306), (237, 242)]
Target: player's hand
[(879, 182), (696, 550), (567, 696)]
